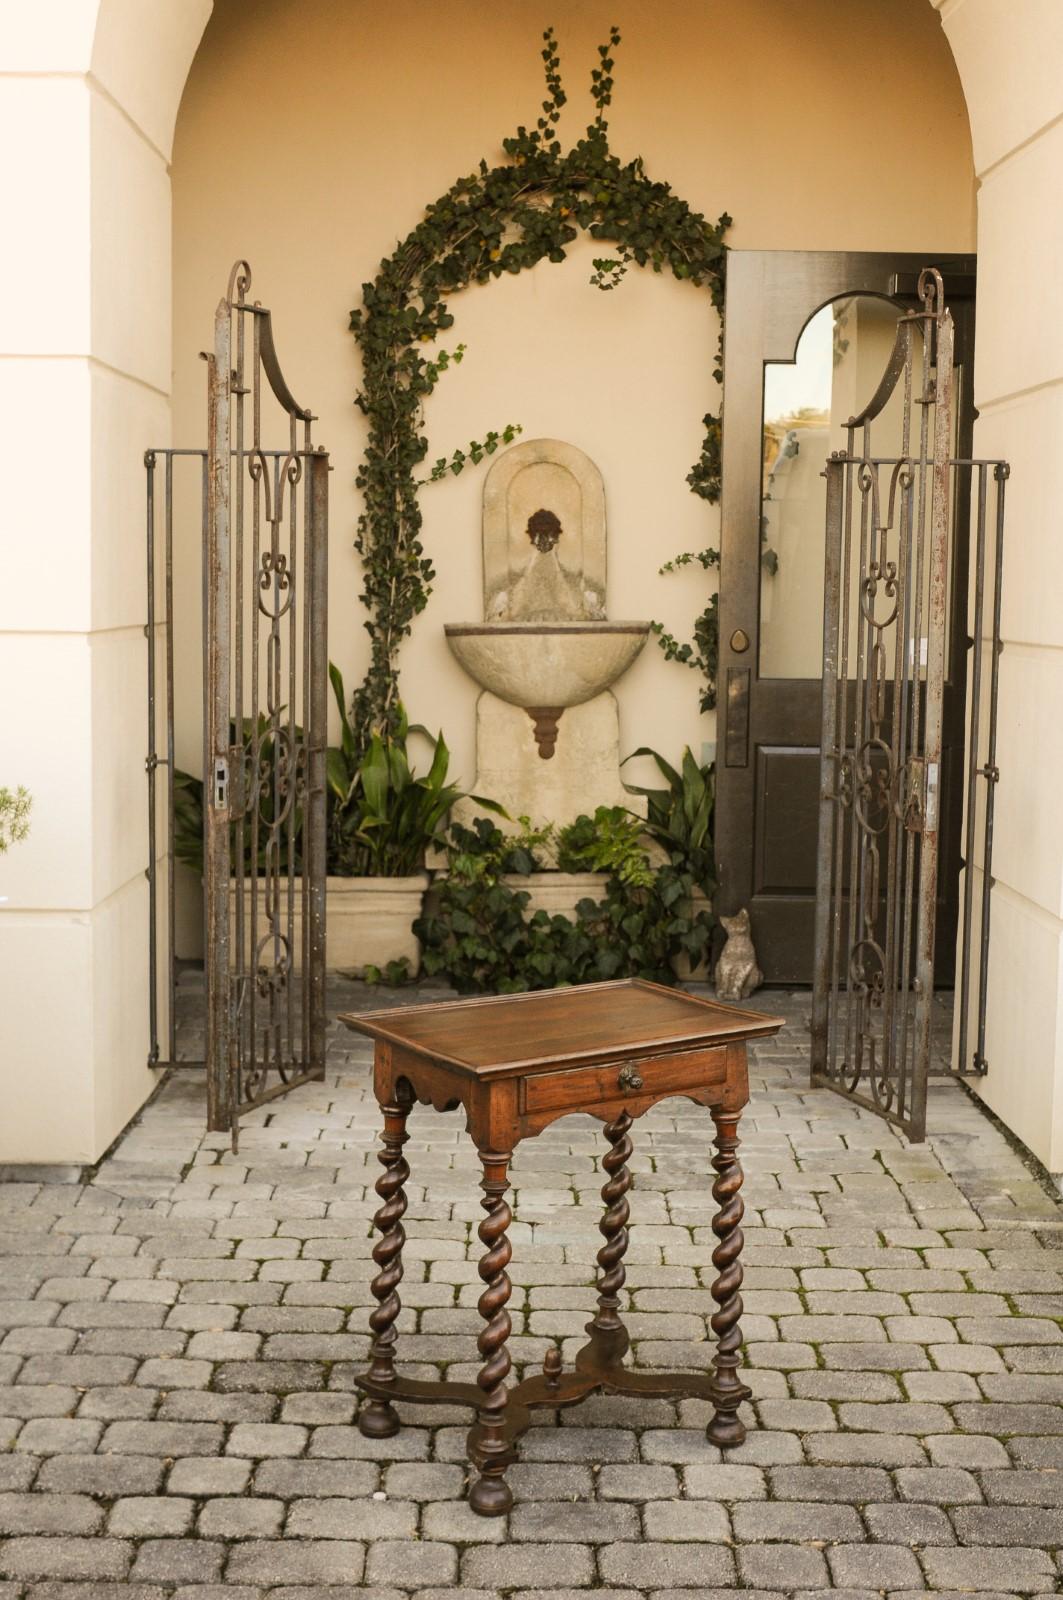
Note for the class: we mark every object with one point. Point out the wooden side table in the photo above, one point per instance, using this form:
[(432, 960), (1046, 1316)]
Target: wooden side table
[(517, 1063)]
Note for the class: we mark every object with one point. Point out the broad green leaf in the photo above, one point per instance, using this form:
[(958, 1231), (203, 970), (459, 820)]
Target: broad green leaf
[(374, 776), (440, 762), (338, 774), (347, 739)]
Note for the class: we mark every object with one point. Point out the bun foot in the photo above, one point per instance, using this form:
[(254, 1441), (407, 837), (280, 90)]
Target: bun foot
[(726, 1431), (378, 1420), (491, 1497)]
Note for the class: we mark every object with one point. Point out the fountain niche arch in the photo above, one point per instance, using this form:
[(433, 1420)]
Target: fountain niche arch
[(545, 654)]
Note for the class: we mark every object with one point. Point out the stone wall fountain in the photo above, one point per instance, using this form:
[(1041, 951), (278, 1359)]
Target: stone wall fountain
[(547, 730)]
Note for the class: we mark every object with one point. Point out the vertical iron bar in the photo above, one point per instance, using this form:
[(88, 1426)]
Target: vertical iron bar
[(317, 553), (899, 833), (204, 607), (296, 467), (151, 764), (278, 1002), (253, 740), (239, 782), (1000, 473), (274, 831), (831, 752), (932, 724), (900, 515), (967, 913), (844, 808), (913, 718), (905, 752), (307, 661), (220, 1110), (171, 819), (865, 479)]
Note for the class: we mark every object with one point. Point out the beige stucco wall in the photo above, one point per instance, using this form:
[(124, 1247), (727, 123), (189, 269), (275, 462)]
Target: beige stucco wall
[(88, 96), (311, 142), (1011, 60)]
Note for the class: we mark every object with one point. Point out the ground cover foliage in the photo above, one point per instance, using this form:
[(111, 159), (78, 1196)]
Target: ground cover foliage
[(654, 920)]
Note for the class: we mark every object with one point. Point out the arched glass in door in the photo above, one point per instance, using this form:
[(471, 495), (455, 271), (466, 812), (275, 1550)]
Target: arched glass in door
[(840, 357)]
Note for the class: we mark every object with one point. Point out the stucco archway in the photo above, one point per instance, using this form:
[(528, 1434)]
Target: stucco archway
[(1010, 61), (91, 94)]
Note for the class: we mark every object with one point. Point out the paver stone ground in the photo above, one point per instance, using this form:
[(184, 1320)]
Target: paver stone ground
[(179, 1336)]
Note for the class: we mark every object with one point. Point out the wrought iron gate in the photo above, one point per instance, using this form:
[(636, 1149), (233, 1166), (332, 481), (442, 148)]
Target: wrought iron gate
[(891, 531), (263, 513)]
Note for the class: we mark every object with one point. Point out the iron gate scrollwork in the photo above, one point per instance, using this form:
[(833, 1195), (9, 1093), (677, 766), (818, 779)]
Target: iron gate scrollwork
[(264, 524), (891, 525)]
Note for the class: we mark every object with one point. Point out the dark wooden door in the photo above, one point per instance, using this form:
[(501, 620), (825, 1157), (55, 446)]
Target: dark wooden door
[(792, 377)]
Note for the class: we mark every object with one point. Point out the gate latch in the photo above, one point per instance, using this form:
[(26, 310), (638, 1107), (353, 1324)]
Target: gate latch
[(221, 783), (931, 809)]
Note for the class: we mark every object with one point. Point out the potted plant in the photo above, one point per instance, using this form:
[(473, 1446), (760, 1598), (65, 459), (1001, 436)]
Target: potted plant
[(383, 819), (482, 932)]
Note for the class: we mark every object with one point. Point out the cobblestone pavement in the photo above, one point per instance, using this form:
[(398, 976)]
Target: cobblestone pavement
[(181, 1332)]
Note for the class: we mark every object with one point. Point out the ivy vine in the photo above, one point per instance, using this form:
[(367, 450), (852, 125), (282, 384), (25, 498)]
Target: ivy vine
[(704, 654), (495, 220)]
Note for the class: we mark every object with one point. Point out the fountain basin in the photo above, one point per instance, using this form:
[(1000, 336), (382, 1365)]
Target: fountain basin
[(539, 664)]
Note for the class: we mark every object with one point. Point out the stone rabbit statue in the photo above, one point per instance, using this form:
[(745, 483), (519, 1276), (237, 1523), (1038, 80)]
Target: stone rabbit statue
[(737, 973)]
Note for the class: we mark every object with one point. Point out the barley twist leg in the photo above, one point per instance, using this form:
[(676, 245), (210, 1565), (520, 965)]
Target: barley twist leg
[(609, 1338), (379, 1419), (725, 1428), (489, 1446)]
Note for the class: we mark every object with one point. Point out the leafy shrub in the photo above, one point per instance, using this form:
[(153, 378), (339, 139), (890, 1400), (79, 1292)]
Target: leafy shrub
[(485, 851), (476, 930), (607, 842)]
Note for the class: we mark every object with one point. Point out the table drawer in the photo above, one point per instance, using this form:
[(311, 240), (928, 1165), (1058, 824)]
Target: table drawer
[(661, 1074)]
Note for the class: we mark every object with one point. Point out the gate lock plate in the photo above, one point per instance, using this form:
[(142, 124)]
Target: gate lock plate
[(930, 812), (221, 783)]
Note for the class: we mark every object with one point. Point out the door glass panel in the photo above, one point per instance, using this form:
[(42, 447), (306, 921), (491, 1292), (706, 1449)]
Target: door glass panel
[(840, 359)]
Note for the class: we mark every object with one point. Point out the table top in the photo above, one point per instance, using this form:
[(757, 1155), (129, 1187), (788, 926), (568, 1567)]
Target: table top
[(497, 1035)]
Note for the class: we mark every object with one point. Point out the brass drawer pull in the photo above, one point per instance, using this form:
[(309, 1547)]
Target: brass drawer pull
[(630, 1077)]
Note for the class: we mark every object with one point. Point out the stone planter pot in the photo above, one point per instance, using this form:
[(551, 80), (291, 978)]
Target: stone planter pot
[(368, 921), (557, 893)]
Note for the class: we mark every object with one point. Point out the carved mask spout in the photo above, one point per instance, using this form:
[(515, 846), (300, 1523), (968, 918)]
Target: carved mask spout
[(544, 530)]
